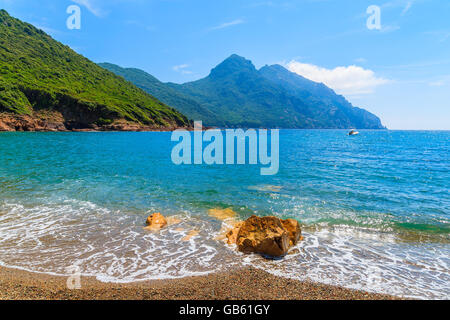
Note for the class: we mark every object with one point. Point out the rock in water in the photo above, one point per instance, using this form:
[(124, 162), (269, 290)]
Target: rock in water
[(156, 221), (233, 233), (190, 234), (173, 220), (264, 235), (294, 232)]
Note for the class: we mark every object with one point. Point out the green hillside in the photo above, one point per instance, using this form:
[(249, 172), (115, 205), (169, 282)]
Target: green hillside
[(164, 92), (39, 73)]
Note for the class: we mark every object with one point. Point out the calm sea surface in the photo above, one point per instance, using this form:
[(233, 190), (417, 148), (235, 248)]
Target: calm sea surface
[(375, 207)]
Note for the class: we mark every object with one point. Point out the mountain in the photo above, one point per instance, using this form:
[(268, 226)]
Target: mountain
[(328, 106), (243, 98), (239, 95), (46, 85)]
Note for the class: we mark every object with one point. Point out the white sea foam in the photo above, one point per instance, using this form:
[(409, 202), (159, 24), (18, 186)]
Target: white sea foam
[(362, 262), (112, 246), (109, 245)]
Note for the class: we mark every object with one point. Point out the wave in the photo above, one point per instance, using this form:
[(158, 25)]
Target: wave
[(112, 246)]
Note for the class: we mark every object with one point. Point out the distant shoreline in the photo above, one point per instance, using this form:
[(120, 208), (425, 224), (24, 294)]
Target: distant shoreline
[(239, 284), (55, 122)]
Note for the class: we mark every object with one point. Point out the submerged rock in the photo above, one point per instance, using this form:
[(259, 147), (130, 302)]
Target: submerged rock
[(190, 234), (222, 214), (155, 222), (173, 220), (266, 188), (265, 235)]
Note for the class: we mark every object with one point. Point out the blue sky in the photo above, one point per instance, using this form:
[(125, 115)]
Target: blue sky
[(400, 72)]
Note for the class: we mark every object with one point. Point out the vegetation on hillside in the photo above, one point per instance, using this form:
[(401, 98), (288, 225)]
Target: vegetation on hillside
[(164, 92), (37, 72)]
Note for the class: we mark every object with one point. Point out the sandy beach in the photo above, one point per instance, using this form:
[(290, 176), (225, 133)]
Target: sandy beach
[(242, 284)]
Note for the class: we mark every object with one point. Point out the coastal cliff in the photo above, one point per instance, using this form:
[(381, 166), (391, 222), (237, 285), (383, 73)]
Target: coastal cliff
[(45, 85)]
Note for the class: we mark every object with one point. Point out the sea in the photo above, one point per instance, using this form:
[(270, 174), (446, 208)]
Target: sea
[(374, 208)]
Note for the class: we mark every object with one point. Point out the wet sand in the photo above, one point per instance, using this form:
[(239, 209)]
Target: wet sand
[(242, 284)]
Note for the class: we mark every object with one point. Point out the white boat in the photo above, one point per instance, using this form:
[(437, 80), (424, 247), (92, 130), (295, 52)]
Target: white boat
[(353, 132)]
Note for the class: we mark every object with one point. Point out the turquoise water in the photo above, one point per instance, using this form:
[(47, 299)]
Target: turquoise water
[(376, 207)]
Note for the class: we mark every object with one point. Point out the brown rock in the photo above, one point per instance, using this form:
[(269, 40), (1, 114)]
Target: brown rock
[(38, 121), (267, 235), (233, 233), (264, 235), (4, 126), (156, 221), (50, 120), (293, 228)]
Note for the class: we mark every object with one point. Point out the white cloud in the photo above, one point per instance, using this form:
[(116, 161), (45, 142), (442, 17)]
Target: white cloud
[(407, 7), (441, 35), (228, 24), (440, 81), (350, 80), (437, 84), (95, 10), (388, 28), (182, 69)]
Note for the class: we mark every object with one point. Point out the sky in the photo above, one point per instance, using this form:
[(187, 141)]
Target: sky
[(398, 68)]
